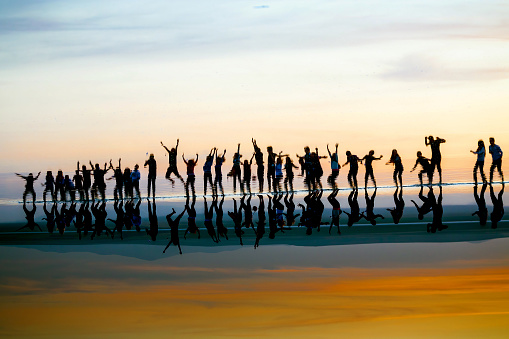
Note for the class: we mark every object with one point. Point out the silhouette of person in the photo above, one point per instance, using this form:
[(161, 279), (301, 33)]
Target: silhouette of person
[(398, 168), (222, 231), (100, 215), (78, 184), (49, 186), (425, 168), (438, 212), (60, 185), (87, 179), (355, 211), (336, 209), (498, 206), (236, 172), (397, 211), (60, 219), (29, 185), (289, 166), (209, 215), (50, 217), (191, 164), (426, 206), (99, 185), (174, 230), (482, 210), (260, 224), (152, 219), (69, 188), (353, 160), (236, 216), (119, 180), (79, 220), (436, 157), (271, 165), (317, 170), (135, 178), (120, 221), (152, 173), (369, 213), (247, 173), (334, 164), (207, 171), (290, 210), (248, 212), (260, 170), (30, 217), (496, 154), (479, 164), (191, 218), (218, 179), (172, 160), (368, 163)]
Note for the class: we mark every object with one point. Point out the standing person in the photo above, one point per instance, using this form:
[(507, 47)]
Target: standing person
[(172, 160), (135, 182), (425, 168), (78, 184), (99, 184), (398, 167), (218, 179), (496, 154), (69, 187), (247, 172), (353, 160), (128, 183), (190, 174), (119, 181), (289, 166), (236, 172), (152, 173), (479, 164), (87, 179), (49, 186), (334, 164), (368, 158), (271, 165), (207, 171), (59, 185), (436, 157), (29, 185), (259, 164)]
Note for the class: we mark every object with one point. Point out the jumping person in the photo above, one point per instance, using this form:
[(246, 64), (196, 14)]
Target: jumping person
[(172, 160), (29, 185), (436, 157), (353, 160), (426, 168), (334, 164), (191, 164)]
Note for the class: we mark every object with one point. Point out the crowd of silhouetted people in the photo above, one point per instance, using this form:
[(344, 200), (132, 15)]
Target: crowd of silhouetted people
[(89, 183)]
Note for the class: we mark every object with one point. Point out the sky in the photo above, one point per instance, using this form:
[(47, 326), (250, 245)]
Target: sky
[(106, 79)]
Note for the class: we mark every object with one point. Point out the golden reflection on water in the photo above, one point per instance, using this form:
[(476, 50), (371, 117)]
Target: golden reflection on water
[(302, 302)]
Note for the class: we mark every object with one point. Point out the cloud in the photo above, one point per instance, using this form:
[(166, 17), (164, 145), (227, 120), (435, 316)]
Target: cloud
[(425, 68)]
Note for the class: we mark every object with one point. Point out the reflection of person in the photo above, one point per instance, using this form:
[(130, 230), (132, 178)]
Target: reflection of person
[(496, 154), (397, 211), (29, 185), (336, 210), (436, 157), (498, 206), (479, 164), (482, 210), (174, 227)]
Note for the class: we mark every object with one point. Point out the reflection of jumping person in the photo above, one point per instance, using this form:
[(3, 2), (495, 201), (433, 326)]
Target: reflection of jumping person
[(152, 173), (398, 168), (479, 164), (336, 210), (496, 154), (426, 168), (436, 157), (174, 227), (29, 185), (368, 158)]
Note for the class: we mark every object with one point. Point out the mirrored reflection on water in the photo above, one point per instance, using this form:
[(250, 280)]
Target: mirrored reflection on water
[(262, 219)]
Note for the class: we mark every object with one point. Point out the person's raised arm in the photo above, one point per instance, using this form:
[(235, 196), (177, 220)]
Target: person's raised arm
[(224, 153), (330, 154), (184, 158), (177, 145), (238, 148), (37, 177), (78, 166), (196, 161), (166, 148), (251, 161), (91, 165), (426, 142)]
